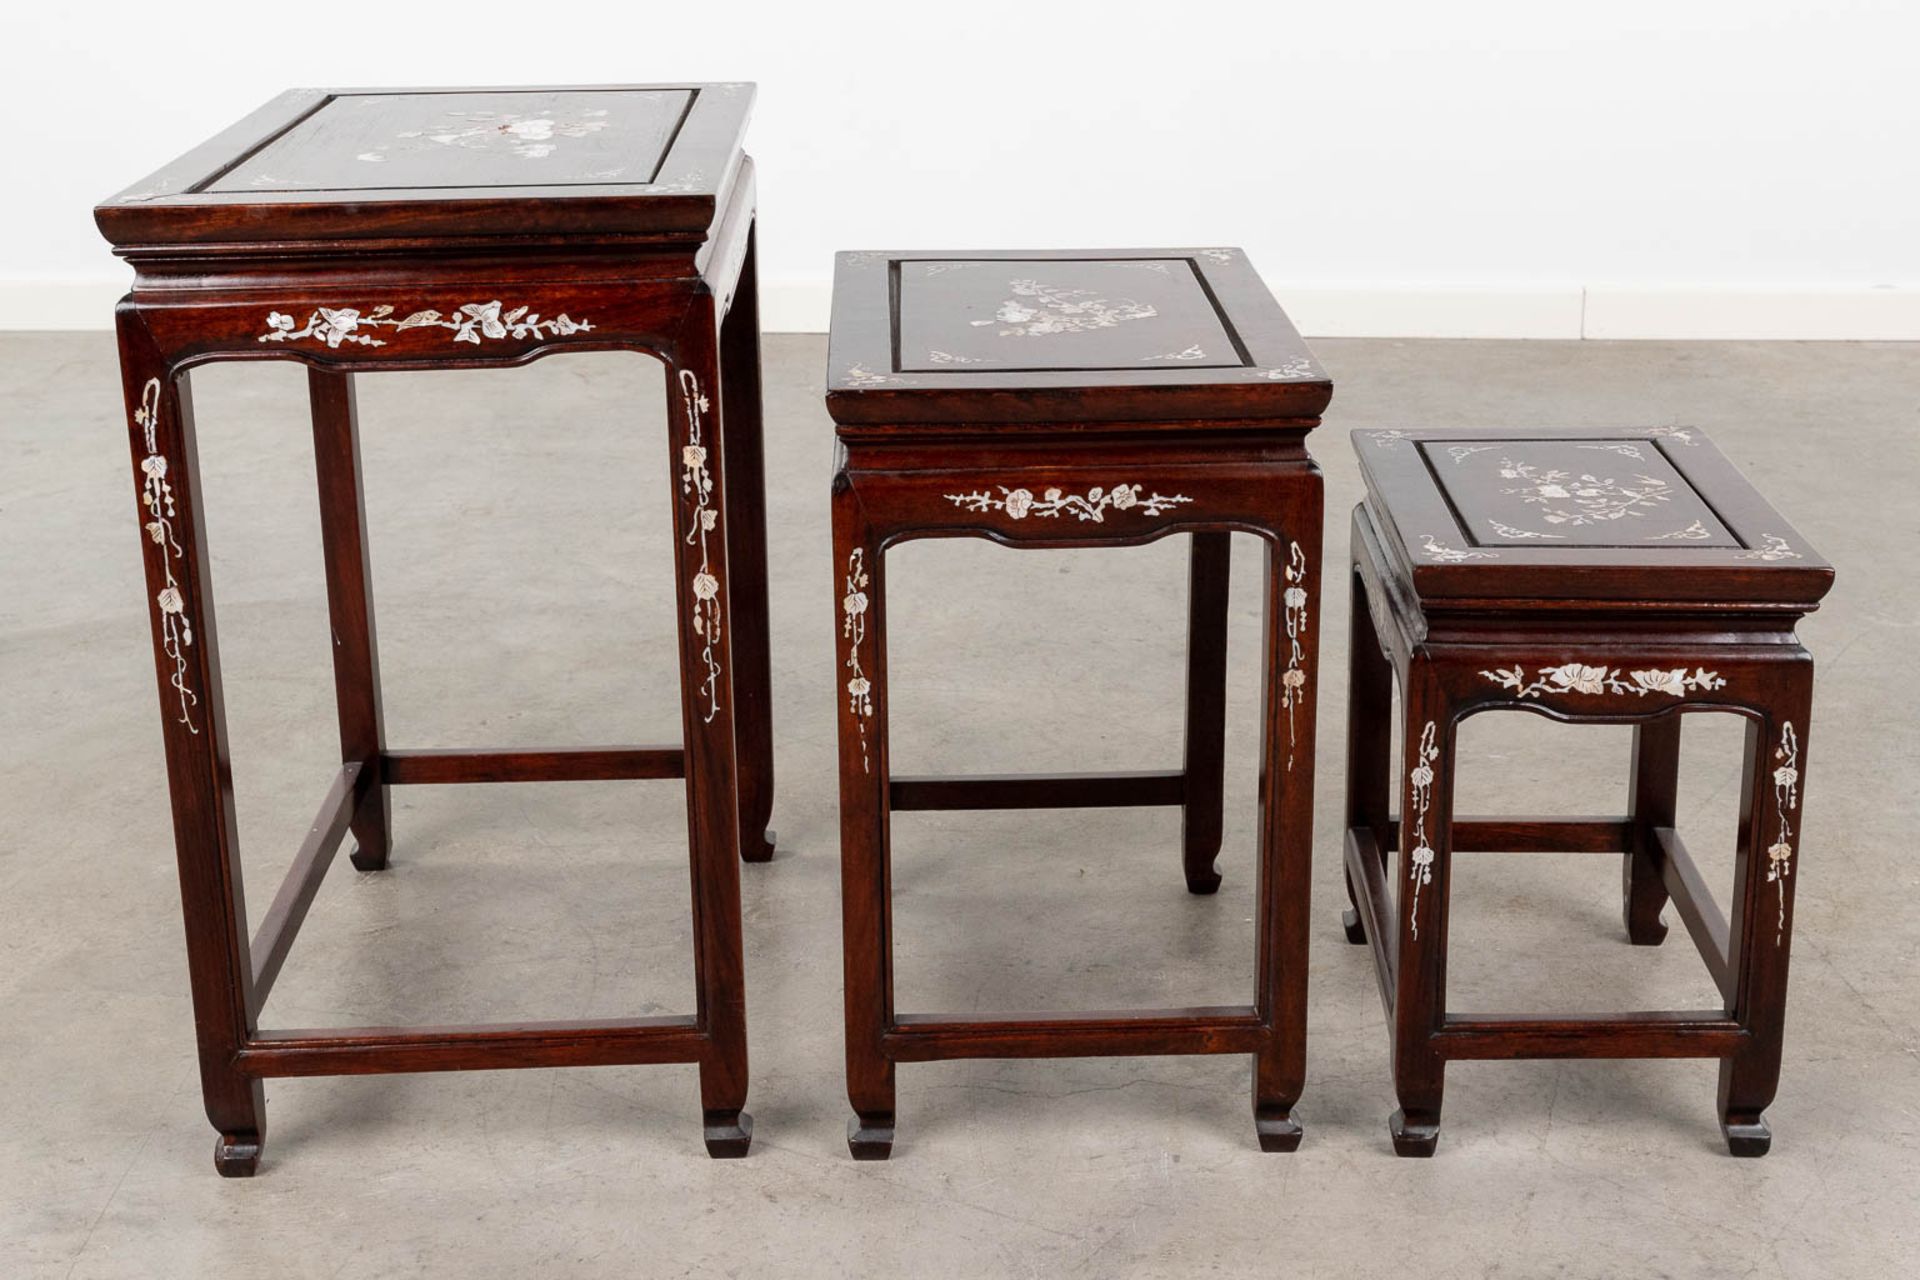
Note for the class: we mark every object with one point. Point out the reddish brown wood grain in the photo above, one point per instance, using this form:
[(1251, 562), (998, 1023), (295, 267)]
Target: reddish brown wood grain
[(1657, 612), (492, 269), (1117, 440)]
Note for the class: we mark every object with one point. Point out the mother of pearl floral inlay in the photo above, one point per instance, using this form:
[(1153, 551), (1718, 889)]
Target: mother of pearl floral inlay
[(853, 626), (1580, 677), (1772, 547), (1584, 499), (1038, 311), (156, 496), (1451, 555), (1020, 503), (470, 322), (696, 484), (1621, 447), (1420, 861), (861, 376), (1508, 531), (529, 137), (1293, 599), (1786, 797)]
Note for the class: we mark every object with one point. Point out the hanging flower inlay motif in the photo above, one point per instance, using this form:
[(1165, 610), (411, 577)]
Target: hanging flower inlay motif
[(1293, 681), (1786, 798), (696, 485), (157, 499), (1420, 861), (853, 626)]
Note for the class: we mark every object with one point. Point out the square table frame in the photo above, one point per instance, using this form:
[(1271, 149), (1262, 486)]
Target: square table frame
[(688, 299), (1444, 623), (937, 455)]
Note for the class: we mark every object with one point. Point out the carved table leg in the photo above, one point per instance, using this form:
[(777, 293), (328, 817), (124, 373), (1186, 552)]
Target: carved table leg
[(1369, 739), (356, 655), (1651, 802), (1426, 819), (696, 434), (866, 889), (199, 778), (747, 545), (1205, 768), (1766, 859), (1291, 660)]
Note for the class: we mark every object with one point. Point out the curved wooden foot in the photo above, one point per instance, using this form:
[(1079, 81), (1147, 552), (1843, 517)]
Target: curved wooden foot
[(1356, 932), (728, 1134), (1278, 1132), (237, 1155), (870, 1137), (1747, 1136), (1644, 935), (1641, 901), (1413, 1138), (368, 860), (760, 850), (1204, 881)]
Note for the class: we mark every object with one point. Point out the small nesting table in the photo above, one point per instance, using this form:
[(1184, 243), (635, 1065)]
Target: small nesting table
[(1071, 400), (355, 231), (1593, 577)]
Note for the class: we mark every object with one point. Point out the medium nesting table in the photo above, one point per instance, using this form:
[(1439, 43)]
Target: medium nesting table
[(1592, 577), (355, 231), (1078, 399)]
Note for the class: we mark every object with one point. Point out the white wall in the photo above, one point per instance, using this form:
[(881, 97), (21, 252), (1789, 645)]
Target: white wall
[(1626, 168)]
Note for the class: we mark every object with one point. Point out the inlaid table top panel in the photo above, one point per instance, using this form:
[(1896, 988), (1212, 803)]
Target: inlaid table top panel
[(383, 141), (1576, 493), (1120, 335), (357, 164), (1636, 515), (958, 314)]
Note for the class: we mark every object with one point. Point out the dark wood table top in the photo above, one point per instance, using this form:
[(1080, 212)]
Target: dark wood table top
[(1113, 335), (358, 164), (1643, 515)]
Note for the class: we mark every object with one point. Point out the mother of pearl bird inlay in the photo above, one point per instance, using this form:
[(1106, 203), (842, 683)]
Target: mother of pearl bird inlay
[(1038, 311)]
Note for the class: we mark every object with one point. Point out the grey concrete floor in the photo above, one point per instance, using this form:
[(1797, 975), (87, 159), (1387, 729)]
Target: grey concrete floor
[(520, 534)]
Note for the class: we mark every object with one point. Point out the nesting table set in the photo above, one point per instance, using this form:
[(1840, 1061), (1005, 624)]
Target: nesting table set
[(1061, 399)]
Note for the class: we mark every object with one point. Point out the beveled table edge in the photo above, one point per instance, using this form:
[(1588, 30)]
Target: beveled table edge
[(169, 210), (864, 389), (1775, 569)]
